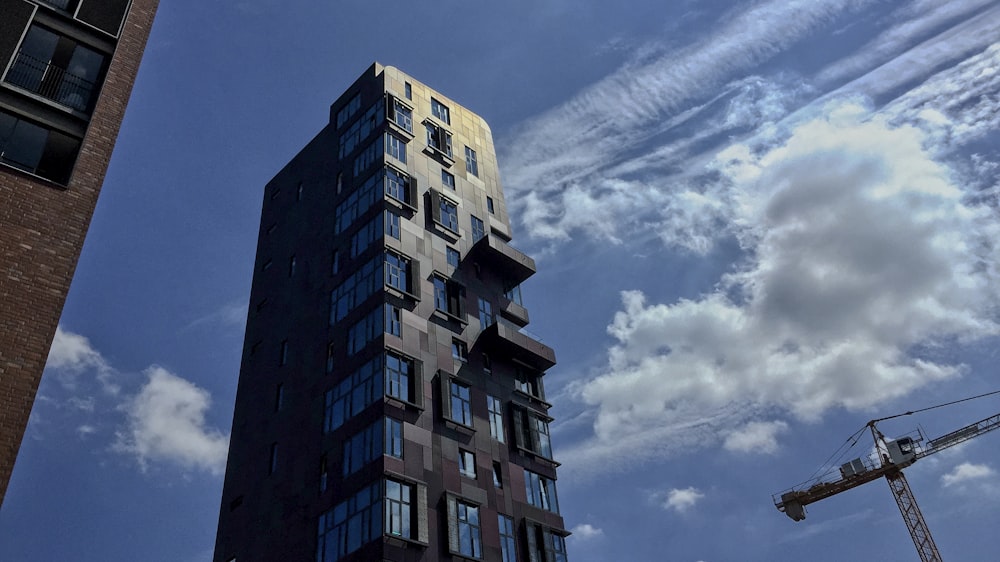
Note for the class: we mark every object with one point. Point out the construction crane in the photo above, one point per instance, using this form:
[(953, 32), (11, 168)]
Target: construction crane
[(893, 457)]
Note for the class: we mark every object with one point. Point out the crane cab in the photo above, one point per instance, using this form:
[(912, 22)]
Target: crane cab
[(902, 452)]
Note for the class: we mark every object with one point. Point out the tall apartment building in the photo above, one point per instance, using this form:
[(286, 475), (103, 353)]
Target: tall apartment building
[(390, 407), (66, 73)]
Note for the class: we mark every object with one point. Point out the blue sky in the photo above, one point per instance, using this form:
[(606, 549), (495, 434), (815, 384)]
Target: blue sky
[(757, 226)]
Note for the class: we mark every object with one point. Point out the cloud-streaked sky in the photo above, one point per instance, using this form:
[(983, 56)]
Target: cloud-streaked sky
[(757, 226)]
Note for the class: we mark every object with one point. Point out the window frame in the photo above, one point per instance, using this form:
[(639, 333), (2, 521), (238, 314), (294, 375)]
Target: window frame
[(471, 161), (455, 527)]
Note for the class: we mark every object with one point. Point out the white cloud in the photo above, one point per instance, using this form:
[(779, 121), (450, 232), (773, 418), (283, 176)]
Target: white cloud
[(586, 531), (679, 499), (72, 354), (232, 315), (756, 437), (966, 472), (860, 252), (166, 422)]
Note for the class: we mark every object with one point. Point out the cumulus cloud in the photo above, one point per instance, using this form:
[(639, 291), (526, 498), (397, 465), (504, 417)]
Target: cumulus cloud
[(72, 354), (166, 422), (585, 531), (861, 255), (756, 437), (679, 499), (966, 472)]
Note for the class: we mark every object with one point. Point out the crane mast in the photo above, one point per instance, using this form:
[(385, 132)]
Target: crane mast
[(893, 456)]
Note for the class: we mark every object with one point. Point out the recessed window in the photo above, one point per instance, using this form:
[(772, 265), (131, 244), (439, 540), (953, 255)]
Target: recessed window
[(471, 162), (478, 229), (495, 408), (487, 364), (438, 139), (485, 314), (528, 383), (408, 90), (449, 214), (459, 350), (397, 272), (531, 432), (541, 491), (57, 68), (448, 297), (398, 373), (544, 543), (35, 149), (395, 147), (329, 357), (453, 256), (513, 294), (400, 114), (349, 109), (393, 320), (508, 546), (440, 111), (284, 353), (465, 529), (279, 397), (291, 266), (467, 463), (448, 180), (489, 205), (399, 509), (324, 474), (497, 476), (335, 263), (461, 403), (298, 194)]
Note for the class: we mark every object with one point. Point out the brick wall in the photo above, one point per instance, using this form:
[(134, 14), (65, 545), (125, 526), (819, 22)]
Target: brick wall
[(42, 228)]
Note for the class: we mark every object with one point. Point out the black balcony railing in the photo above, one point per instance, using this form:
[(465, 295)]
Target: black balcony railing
[(51, 82)]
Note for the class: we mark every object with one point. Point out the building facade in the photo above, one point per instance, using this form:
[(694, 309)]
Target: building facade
[(390, 406), (66, 73)]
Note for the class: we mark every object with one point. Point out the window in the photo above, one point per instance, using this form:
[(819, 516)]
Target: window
[(397, 272), (408, 90), (291, 266), (335, 263), (448, 297), (438, 139), (487, 364), (395, 147), (453, 256), (398, 502), (400, 114), (393, 320), (279, 397), (352, 523), (353, 136), (324, 474), (448, 214), (440, 111), (489, 205), (362, 448), (508, 547), (545, 544), (461, 403), (298, 194), (400, 186), (485, 313), (459, 350), (471, 164), (532, 432), (497, 475), (284, 353), (392, 227), (37, 150), (513, 294), (349, 109), (478, 229), (397, 377), (393, 438), (330, 349), (448, 180), (272, 466), (528, 383), (541, 491), (467, 463), (57, 68), (464, 530), (496, 417)]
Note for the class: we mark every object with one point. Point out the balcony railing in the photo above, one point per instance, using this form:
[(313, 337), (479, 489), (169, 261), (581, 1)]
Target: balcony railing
[(514, 341), (51, 82)]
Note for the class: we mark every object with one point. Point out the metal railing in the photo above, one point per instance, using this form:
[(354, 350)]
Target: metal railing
[(50, 82)]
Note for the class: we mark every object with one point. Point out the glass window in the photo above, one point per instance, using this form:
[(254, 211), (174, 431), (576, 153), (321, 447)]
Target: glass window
[(449, 215), (272, 466), (438, 139), (284, 353), (489, 205), (461, 403), (513, 294), (397, 185), (467, 463), (392, 227), (541, 491), (471, 163), (408, 90), (478, 229), (393, 320), (324, 474), (508, 547), (453, 257), (459, 350), (397, 272), (497, 475), (440, 111), (401, 115), (555, 547), (351, 524), (485, 313), (397, 377), (496, 417), (398, 499), (540, 435), (393, 438), (363, 447), (395, 147), (35, 149), (469, 535), (56, 68), (448, 180)]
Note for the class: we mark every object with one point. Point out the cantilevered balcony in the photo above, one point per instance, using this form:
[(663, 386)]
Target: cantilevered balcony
[(513, 311), (51, 82), (506, 338), (490, 250)]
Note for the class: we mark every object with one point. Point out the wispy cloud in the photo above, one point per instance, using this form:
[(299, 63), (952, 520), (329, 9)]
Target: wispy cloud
[(755, 437), (166, 422), (232, 315)]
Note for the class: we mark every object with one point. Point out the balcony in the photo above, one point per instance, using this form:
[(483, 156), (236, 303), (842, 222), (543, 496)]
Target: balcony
[(51, 82), (493, 252), (513, 312), (59, 4), (504, 338)]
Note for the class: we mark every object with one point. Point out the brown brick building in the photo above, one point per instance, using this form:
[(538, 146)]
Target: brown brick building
[(66, 73), (390, 405)]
